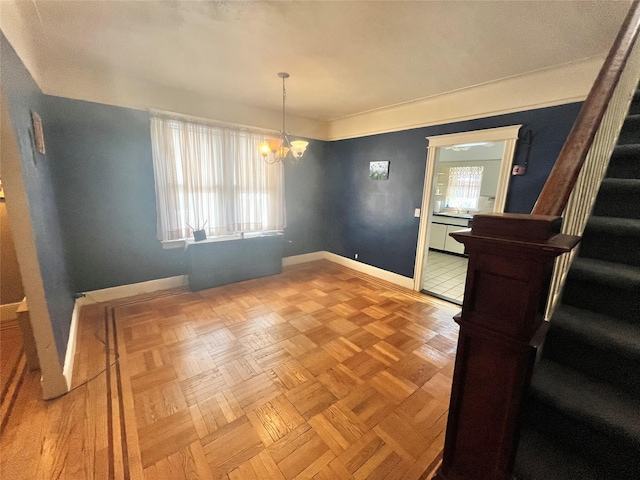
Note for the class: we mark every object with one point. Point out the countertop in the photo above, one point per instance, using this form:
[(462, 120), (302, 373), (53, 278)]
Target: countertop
[(465, 216)]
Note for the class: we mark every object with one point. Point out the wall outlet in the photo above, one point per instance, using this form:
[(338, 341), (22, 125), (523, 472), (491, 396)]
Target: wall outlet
[(355, 256)]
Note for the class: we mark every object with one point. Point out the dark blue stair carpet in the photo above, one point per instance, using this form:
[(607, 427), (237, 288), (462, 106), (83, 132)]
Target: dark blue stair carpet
[(630, 129), (618, 197), (635, 104), (603, 347), (587, 417), (604, 287), (625, 162), (613, 239), (539, 458)]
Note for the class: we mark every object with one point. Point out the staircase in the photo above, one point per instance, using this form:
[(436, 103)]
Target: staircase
[(582, 420)]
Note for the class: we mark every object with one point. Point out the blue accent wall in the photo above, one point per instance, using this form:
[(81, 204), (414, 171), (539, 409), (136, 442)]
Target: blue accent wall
[(23, 95), (103, 171), (305, 200), (375, 218)]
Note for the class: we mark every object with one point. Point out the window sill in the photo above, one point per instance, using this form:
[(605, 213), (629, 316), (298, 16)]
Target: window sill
[(183, 243)]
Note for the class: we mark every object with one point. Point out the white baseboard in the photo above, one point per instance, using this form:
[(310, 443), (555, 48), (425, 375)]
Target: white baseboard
[(385, 275), (304, 258), (70, 355), (105, 295), (123, 291)]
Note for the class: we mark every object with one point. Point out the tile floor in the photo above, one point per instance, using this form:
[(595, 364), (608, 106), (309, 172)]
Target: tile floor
[(444, 275)]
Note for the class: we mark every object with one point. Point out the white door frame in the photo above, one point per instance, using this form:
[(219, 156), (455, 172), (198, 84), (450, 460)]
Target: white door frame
[(508, 135)]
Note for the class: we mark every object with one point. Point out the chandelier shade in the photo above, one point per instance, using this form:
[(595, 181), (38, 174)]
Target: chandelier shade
[(279, 148)]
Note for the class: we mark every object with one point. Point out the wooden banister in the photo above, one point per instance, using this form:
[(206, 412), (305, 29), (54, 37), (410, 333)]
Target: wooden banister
[(555, 194)]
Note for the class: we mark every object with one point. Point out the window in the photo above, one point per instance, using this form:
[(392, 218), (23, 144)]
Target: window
[(213, 174), (463, 189)]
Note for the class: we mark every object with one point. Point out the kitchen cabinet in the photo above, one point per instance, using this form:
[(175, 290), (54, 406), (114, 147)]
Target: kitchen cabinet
[(450, 243), (438, 236), (441, 227)]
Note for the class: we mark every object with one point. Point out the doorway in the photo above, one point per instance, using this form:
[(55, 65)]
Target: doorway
[(467, 173)]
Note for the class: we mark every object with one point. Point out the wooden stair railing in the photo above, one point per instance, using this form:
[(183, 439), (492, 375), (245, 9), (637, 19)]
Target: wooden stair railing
[(511, 272)]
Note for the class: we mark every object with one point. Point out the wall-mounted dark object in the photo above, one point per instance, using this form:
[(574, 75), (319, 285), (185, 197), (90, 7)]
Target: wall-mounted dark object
[(521, 169)]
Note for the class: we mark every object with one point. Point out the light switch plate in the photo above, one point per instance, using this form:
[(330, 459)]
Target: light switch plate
[(416, 213)]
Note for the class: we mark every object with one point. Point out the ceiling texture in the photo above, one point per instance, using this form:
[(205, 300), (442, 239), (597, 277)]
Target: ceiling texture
[(344, 57)]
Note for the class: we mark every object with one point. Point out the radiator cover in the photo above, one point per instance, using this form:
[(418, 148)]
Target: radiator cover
[(211, 264)]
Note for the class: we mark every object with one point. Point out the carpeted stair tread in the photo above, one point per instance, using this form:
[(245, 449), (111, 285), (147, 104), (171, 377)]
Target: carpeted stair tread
[(634, 108), (612, 239), (621, 185), (626, 277), (601, 331), (601, 346), (598, 405), (625, 162), (538, 458), (618, 197), (614, 226), (629, 133)]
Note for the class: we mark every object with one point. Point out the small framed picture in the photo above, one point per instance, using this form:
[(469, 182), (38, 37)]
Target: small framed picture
[(379, 170), (37, 131)]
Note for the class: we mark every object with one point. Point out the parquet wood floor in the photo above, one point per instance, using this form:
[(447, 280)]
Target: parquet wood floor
[(320, 372)]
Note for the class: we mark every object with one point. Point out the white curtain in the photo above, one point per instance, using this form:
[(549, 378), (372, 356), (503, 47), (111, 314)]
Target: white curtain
[(216, 175), (463, 189)]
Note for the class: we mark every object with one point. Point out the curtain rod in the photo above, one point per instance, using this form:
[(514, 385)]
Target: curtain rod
[(208, 121)]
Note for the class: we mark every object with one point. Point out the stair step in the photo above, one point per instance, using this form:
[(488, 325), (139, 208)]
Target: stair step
[(604, 287), (601, 346), (630, 132), (618, 197), (587, 417), (625, 162), (612, 239), (634, 108), (539, 458)]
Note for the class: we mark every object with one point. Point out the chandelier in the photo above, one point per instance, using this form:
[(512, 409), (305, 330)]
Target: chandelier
[(280, 148)]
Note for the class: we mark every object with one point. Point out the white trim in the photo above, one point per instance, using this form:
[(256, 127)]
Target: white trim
[(386, 275), (507, 134), (124, 291), (304, 258), (52, 380), (380, 273), (497, 134), (557, 85), (70, 355)]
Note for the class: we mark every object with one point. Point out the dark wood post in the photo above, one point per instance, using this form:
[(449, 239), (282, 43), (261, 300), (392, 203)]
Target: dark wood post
[(501, 327)]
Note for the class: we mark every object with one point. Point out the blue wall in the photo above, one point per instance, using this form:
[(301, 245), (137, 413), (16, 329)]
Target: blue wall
[(103, 171), (305, 199), (375, 218), (24, 95)]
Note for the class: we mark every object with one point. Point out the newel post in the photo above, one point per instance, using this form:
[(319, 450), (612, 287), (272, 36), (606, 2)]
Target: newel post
[(501, 327)]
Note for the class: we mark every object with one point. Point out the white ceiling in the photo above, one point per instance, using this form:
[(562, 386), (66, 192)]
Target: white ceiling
[(344, 57)]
